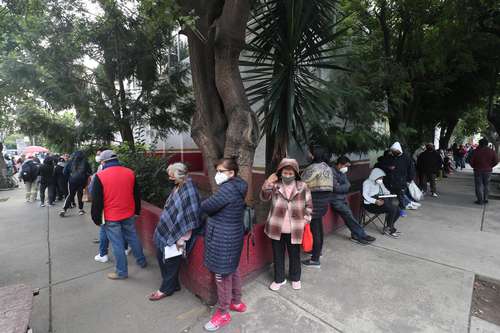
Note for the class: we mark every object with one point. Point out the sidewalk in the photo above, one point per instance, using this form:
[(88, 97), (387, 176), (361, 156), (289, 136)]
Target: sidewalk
[(421, 282)]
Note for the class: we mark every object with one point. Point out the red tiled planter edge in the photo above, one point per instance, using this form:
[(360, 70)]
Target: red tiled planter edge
[(195, 277)]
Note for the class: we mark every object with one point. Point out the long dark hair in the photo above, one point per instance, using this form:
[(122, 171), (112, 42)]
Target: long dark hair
[(78, 161)]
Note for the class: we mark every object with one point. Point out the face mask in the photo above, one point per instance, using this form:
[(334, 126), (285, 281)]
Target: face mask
[(221, 178), (287, 180), (379, 181), (344, 169), (98, 159)]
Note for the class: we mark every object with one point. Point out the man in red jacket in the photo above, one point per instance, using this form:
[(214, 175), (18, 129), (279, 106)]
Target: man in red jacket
[(483, 161), (116, 201)]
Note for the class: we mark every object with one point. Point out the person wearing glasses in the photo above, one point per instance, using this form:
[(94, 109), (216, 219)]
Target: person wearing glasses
[(224, 240)]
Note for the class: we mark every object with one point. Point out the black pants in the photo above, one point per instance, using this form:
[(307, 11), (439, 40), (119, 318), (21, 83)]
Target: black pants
[(390, 210), (482, 183), (51, 189), (428, 177), (343, 209), (279, 248), (62, 189), (317, 233), (74, 189), (169, 269), (320, 206)]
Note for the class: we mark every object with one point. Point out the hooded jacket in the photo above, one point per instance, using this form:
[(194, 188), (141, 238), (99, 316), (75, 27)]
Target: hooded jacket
[(47, 174), (399, 169), (299, 205), (371, 188), (225, 230)]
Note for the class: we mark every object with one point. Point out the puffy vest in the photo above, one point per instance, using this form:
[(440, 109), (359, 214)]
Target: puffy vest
[(118, 192)]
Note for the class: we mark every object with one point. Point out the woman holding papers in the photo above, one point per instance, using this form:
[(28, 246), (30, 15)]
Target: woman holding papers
[(179, 218), (378, 200), (224, 240)]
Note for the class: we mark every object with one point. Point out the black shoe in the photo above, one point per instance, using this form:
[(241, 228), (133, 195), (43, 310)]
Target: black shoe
[(477, 202), (369, 238), (359, 240), (392, 233), (485, 201), (311, 263)]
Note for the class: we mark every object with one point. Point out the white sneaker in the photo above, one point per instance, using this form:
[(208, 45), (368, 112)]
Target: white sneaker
[(410, 207), (104, 258), (435, 195), (416, 204), (276, 286), (128, 250)]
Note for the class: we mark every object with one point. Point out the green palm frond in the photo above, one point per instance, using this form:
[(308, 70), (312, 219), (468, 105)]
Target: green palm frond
[(290, 42)]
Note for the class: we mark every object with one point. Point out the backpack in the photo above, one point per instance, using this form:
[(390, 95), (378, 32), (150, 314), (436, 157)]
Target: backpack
[(28, 172), (249, 221)]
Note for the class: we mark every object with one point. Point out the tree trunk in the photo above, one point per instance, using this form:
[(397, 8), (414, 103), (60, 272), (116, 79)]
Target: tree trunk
[(223, 124), (127, 133), (493, 115), (3, 166), (444, 140)]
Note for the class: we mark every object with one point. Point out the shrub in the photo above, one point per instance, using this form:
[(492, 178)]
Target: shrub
[(150, 170)]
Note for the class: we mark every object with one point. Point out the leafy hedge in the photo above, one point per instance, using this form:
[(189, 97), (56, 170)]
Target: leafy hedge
[(150, 170)]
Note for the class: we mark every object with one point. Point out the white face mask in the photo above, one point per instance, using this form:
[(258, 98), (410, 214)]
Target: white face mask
[(344, 169), (98, 159), (221, 178), (379, 181)]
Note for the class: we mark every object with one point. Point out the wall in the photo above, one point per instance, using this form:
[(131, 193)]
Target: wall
[(254, 258)]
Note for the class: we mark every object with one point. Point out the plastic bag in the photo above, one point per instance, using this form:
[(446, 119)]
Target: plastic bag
[(307, 239), (415, 192)]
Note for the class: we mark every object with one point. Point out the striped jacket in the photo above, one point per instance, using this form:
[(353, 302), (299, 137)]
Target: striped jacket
[(300, 205)]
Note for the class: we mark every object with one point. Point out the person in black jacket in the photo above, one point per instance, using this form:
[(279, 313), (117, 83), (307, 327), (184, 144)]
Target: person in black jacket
[(61, 179), (400, 171), (78, 172), (47, 181), (428, 165), (29, 175)]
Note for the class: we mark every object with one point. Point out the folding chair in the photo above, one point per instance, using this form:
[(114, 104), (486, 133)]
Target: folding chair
[(366, 218)]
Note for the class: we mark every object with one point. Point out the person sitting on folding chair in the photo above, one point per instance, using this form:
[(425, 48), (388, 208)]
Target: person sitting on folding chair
[(377, 199)]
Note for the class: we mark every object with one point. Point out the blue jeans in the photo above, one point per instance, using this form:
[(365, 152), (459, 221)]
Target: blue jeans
[(343, 209), (118, 233), (104, 242)]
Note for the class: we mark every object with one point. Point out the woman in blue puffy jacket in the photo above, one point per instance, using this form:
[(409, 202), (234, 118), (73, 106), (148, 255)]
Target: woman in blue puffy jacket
[(224, 240)]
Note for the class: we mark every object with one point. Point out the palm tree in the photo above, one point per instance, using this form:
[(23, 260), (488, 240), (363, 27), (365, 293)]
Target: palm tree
[(289, 44)]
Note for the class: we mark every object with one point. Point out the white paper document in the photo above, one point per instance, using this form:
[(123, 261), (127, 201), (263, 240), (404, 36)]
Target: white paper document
[(387, 196), (172, 251)]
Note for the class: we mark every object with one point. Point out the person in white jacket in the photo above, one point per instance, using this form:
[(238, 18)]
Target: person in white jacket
[(373, 188)]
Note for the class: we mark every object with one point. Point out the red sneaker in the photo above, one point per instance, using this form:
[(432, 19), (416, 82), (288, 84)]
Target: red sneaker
[(218, 320), (238, 307)]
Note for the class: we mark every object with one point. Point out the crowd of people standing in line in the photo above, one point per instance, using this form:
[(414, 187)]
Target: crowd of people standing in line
[(297, 198)]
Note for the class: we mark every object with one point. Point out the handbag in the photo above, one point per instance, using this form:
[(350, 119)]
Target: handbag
[(415, 192), (307, 239)]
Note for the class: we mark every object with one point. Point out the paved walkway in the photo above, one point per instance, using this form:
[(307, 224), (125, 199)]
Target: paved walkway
[(421, 282)]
